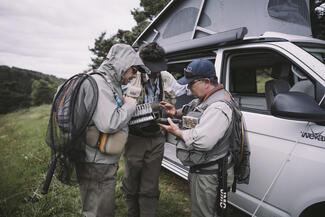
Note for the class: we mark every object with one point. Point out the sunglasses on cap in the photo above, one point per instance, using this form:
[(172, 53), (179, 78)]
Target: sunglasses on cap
[(189, 74)]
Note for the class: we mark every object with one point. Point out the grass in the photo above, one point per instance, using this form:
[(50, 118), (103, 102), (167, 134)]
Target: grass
[(23, 165)]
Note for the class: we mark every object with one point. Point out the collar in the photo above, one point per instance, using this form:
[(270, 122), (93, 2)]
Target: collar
[(215, 89)]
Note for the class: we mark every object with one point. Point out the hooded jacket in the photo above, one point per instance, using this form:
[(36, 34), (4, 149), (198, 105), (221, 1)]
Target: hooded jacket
[(109, 117)]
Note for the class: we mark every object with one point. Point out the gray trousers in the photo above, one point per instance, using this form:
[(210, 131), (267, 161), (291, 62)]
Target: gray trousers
[(203, 189), (97, 188), (143, 157)]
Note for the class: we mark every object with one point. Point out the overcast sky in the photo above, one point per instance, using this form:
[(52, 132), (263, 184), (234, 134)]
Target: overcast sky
[(53, 36)]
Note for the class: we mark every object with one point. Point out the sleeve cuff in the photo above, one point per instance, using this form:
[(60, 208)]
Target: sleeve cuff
[(189, 136)]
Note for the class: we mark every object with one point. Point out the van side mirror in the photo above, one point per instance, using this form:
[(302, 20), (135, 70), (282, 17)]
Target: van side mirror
[(297, 106)]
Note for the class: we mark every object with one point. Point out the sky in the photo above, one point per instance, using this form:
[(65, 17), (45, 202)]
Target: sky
[(53, 37)]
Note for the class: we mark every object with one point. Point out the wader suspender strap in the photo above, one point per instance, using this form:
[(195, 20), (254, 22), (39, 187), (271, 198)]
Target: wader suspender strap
[(161, 91), (222, 189)]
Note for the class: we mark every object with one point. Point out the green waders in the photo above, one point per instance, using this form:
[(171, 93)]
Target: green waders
[(204, 190), (143, 157), (97, 187)]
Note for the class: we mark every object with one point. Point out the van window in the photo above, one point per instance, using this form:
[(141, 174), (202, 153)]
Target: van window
[(177, 70), (290, 11), (255, 78), (320, 94), (188, 17)]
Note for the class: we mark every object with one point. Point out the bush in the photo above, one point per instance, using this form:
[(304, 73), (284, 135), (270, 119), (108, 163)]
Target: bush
[(42, 92)]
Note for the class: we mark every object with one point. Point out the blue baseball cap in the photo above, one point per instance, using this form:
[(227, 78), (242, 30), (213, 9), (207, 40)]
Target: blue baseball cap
[(198, 69)]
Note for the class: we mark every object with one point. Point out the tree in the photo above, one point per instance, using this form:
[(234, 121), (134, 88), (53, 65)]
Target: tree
[(101, 49), (11, 98), (42, 92), (142, 16)]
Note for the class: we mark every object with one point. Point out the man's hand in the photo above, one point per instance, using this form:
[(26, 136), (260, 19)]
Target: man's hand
[(169, 108), (172, 128)]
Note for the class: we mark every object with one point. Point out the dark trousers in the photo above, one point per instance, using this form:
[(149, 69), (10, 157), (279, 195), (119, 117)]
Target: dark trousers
[(97, 187), (143, 157)]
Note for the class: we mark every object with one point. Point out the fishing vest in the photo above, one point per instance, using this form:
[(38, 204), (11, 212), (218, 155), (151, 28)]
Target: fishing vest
[(136, 88), (194, 112)]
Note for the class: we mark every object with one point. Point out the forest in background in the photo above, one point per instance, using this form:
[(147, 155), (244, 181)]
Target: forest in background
[(22, 88)]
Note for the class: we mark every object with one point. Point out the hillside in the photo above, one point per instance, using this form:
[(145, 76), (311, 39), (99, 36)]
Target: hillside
[(16, 87)]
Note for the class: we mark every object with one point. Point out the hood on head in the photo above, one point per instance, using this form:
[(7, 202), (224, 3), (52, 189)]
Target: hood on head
[(119, 59)]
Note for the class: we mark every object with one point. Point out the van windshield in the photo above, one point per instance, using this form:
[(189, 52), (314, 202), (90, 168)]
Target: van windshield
[(317, 51)]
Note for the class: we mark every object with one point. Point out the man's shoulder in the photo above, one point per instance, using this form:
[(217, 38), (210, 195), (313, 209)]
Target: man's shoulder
[(166, 76), (222, 106)]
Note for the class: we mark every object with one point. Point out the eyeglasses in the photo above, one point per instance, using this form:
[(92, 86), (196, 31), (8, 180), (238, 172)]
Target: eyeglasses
[(190, 85)]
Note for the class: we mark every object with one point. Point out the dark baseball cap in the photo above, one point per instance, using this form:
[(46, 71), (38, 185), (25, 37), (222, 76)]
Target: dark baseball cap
[(142, 69), (157, 65), (198, 69), (153, 56)]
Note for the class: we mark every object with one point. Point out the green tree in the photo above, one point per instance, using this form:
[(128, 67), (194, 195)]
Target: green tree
[(149, 9), (11, 98), (100, 49), (42, 92)]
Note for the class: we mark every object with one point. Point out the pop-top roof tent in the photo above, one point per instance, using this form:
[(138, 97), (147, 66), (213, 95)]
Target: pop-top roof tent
[(184, 21)]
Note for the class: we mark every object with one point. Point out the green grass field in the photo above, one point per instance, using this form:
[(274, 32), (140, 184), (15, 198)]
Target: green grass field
[(23, 165), (24, 162)]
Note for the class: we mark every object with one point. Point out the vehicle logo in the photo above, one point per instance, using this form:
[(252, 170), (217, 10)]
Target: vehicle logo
[(313, 135)]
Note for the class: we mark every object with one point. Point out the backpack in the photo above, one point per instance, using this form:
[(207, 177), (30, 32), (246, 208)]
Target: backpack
[(68, 121), (238, 146)]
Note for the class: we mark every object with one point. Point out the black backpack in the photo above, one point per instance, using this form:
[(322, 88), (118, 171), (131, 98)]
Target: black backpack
[(240, 158), (239, 147), (68, 121)]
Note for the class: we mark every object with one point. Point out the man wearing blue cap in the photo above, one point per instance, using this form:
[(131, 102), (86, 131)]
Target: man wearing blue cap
[(203, 141)]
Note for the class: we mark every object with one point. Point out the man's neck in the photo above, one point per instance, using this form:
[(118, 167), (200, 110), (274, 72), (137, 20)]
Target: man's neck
[(212, 90)]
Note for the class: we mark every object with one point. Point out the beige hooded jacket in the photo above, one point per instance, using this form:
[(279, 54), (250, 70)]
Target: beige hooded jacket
[(108, 116)]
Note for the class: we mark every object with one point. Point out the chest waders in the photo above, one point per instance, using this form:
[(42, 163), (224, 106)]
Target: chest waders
[(223, 164), (222, 189)]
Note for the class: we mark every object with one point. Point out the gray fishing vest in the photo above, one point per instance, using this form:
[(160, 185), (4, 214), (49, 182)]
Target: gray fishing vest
[(190, 156)]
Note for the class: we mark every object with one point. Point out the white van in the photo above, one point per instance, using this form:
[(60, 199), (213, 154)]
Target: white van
[(278, 81)]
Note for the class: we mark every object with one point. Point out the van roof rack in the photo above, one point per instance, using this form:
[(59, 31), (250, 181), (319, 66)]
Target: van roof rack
[(217, 39)]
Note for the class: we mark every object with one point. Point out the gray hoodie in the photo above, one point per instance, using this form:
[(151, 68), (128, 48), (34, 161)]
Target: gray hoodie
[(108, 116)]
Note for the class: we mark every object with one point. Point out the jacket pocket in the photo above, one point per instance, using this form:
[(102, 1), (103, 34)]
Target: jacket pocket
[(112, 143)]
